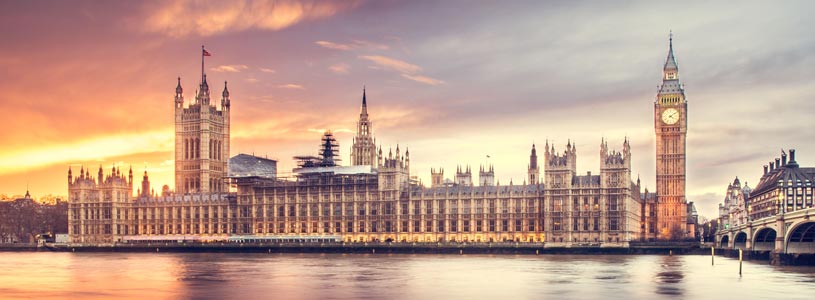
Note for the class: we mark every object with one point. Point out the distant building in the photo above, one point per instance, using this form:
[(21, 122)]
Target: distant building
[(376, 198), (775, 215), (733, 210), (693, 220), (785, 187)]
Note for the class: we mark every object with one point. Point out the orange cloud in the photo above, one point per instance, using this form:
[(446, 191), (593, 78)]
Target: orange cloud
[(206, 18), (392, 64), (335, 46), (355, 44), (230, 68), (86, 150), (291, 86), (340, 68), (407, 69), (423, 79)]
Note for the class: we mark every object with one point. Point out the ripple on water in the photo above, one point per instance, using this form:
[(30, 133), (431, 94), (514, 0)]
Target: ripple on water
[(342, 276)]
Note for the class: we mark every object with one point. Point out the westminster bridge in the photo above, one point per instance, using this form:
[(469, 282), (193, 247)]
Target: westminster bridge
[(788, 233)]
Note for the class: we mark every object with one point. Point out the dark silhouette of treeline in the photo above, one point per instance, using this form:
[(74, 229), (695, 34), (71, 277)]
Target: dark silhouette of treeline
[(22, 219)]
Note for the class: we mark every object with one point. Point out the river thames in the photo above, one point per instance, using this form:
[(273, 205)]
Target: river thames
[(392, 276)]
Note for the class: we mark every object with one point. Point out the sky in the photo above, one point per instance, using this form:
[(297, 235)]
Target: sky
[(89, 83)]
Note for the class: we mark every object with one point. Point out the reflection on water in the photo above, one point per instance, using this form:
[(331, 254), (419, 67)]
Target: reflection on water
[(391, 276), (669, 279)]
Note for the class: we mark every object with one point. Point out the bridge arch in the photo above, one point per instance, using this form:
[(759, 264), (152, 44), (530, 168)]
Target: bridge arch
[(725, 242), (740, 240), (801, 238), (764, 240)]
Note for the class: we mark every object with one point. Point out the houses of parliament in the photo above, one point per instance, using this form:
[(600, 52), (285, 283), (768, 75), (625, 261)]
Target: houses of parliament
[(374, 198)]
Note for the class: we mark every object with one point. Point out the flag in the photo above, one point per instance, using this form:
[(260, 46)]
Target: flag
[(206, 53)]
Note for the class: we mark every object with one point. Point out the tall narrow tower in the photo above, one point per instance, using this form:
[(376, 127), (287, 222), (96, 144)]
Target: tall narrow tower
[(533, 172), (201, 140), (671, 126), (363, 149)]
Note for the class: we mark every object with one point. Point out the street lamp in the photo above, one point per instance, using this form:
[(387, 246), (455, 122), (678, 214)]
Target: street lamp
[(749, 213), (780, 201)]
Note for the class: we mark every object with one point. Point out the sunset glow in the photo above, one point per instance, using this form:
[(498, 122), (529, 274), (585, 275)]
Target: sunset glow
[(91, 83)]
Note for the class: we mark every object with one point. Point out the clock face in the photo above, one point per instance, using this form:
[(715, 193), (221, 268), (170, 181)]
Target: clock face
[(670, 116)]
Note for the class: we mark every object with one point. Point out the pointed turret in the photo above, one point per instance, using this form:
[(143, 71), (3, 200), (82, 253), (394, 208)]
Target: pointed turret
[(178, 89), (670, 62), (363, 149), (533, 172), (145, 185), (179, 95), (225, 97), (670, 73), (70, 176), (364, 103), (100, 174), (205, 85)]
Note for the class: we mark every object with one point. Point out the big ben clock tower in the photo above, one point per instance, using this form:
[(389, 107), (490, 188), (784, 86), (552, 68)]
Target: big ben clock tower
[(671, 127)]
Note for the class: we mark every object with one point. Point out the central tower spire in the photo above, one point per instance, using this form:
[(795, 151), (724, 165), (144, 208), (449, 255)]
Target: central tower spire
[(363, 150), (364, 103)]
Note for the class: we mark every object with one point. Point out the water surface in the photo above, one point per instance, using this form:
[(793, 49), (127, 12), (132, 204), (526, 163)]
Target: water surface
[(392, 276)]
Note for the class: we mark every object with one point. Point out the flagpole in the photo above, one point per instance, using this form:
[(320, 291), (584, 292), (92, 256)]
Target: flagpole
[(202, 64)]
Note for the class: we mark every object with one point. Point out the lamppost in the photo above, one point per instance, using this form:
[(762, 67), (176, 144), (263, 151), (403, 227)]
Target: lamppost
[(749, 213), (780, 201)]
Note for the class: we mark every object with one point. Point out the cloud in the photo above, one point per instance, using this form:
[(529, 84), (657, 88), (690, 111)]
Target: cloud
[(370, 45), (423, 79), (408, 70), (340, 68), (335, 46), (266, 70), (252, 80), (206, 18), (229, 68), (355, 44), (392, 64), (323, 130), (291, 86), (86, 150)]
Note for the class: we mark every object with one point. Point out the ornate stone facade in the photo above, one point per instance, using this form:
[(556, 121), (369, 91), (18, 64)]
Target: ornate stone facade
[(201, 140), (671, 126), (733, 210), (363, 150), (374, 199)]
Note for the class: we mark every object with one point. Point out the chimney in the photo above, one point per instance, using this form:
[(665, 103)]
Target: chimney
[(765, 169), (792, 155), (783, 158), (772, 166), (777, 163)]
